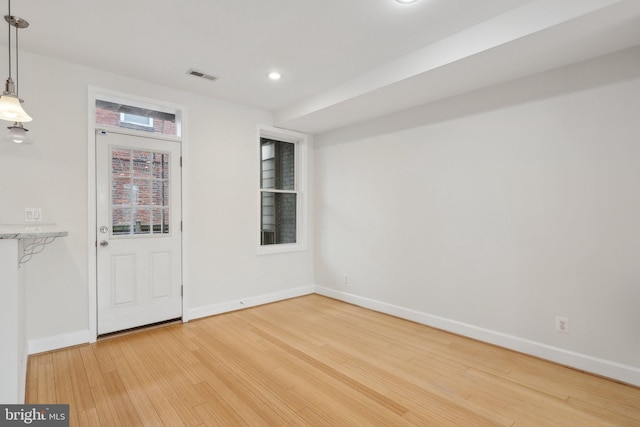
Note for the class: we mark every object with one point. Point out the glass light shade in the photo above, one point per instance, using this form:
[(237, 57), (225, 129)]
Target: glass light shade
[(18, 134), (11, 110)]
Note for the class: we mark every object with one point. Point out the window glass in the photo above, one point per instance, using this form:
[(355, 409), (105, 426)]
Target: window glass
[(139, 192), (278, 195), (277, 165), (136, 118), (279, 218)]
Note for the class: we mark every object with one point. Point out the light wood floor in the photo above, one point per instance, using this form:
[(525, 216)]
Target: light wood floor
[(319, 362)]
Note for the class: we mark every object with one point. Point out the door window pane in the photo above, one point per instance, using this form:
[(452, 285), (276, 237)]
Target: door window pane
[(165, 220), (139, 192), (141, 164), (142, 221), (121, 162), (160, 165), (160, 221), (121, 191), (160, 193), (121, 219)]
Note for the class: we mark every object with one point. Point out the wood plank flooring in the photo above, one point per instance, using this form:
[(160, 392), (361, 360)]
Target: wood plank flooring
[(314, 361)]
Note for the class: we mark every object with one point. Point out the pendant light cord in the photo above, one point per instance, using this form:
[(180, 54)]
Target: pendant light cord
[(17, 59), (9, 45)]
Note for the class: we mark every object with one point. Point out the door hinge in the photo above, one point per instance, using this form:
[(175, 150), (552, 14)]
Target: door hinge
[(180, 225), (180, 161), (181, 290)]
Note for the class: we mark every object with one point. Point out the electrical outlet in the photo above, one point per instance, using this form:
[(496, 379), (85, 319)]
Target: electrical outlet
[(345, 279), (562, 324)]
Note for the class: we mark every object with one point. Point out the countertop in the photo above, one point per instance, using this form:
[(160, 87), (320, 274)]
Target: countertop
[(31, 231)]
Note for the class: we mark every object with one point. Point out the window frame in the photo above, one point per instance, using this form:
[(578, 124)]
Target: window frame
[(300, 142), (112, 97), (180, 111)]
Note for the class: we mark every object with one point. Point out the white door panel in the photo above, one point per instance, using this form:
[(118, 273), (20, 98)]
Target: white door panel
[(138, 238)]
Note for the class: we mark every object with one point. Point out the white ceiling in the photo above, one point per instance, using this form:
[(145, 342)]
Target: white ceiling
[(342, 61)]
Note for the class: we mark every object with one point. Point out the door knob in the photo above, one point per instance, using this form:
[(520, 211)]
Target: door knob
[(104, 243)]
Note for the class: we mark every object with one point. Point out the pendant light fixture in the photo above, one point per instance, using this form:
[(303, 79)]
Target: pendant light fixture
[(10, 108), (18, 134)]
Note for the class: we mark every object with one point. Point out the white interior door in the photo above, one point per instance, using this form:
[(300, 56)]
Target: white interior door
[(138, 231)]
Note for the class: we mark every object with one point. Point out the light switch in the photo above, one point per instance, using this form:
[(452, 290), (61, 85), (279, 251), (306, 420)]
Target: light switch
[(32, 214)]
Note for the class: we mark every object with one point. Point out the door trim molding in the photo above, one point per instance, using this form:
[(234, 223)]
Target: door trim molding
[(92, 280)]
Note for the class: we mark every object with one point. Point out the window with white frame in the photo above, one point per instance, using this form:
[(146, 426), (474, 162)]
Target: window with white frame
[(111, 111), (282, 178)]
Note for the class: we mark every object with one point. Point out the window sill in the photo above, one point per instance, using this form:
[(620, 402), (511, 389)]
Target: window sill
[(280, 249)]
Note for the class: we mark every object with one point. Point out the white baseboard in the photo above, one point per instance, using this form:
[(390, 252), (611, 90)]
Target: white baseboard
[(40, 345), (239, 304), (605, 368)]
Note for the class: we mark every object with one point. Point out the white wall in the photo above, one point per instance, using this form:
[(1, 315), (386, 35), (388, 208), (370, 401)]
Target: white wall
[(220, 215), (223, 216), (491, 213), (496, 210)]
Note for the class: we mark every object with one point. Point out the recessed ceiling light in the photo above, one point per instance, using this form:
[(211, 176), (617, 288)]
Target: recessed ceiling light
[(406, 1), (274, 75)]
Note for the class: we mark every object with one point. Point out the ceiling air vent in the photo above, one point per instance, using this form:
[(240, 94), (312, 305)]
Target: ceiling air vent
[(201, 74)]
